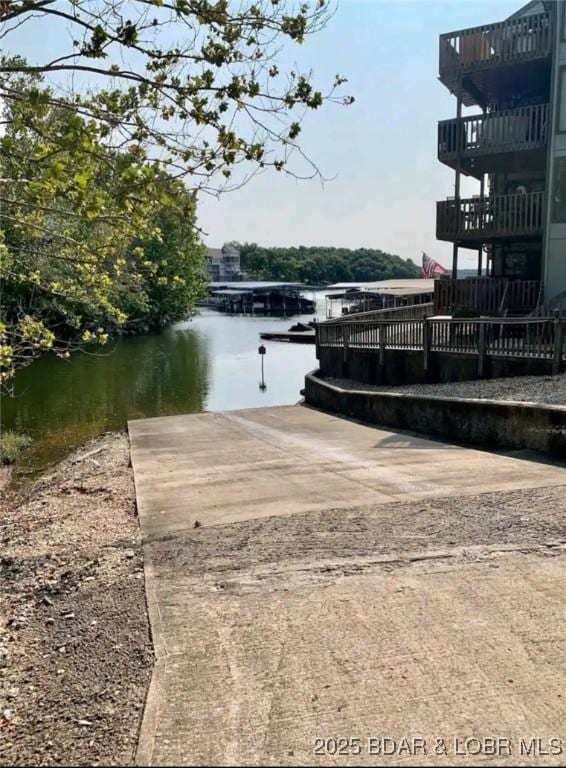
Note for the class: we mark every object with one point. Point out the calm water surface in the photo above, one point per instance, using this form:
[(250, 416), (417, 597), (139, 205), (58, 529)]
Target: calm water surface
[(207, 363)]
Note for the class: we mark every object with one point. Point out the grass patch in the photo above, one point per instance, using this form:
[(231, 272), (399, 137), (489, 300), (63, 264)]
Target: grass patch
[(11, 445)]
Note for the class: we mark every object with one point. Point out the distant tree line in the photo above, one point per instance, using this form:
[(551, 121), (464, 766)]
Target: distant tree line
[(322, 265)]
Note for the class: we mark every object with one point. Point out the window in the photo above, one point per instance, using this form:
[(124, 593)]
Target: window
[(559, 191)]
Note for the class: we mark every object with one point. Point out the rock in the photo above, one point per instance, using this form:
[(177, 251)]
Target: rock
[(129, 553), (84, 723), (16, 622)]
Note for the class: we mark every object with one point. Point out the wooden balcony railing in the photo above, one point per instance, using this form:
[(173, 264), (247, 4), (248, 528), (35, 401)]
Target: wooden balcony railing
[(485, 295), (507, 130), (505, 42), (485, 218)]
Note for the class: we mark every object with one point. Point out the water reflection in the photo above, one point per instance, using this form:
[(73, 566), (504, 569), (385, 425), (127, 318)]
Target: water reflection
[(208, 363)]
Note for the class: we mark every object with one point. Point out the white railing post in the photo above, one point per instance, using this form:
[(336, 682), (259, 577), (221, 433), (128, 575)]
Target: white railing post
[(382, 343), (558, 341), (481, 349), (426, 343)]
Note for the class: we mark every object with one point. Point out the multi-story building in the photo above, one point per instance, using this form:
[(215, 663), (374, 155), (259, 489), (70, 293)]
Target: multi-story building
[(509, 134), (223, 263)]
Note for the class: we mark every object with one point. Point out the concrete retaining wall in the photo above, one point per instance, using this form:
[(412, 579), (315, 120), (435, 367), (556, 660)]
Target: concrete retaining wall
[(488, 423), (406, 366)]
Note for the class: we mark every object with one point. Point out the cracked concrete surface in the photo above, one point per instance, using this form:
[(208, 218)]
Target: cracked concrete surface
[(345, 581)]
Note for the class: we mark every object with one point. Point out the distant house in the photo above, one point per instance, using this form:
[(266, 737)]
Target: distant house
[(223, 263)]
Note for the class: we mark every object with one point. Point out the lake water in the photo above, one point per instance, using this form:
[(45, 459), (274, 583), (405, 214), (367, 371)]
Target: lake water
[(209, 363)]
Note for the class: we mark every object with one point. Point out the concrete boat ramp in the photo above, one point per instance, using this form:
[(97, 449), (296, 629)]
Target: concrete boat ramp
[(311, 579)]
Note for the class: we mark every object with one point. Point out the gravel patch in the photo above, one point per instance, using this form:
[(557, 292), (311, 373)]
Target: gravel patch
[(550, 390), (302, 546), (75, 648)]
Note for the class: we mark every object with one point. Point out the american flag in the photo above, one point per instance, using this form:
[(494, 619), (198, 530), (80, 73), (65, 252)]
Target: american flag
[(432, 268)]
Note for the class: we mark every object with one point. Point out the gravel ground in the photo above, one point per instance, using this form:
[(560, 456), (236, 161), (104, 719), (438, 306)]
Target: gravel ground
[(5, 475), (312, 547), (533, 389), (75, 649)]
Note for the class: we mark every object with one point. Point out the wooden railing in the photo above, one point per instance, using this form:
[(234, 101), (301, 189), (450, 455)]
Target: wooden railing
[(485, 295), (371, 334), (540, 338), (489, 217), (505, 42), (408, 312), (504, 338), (508, 130)]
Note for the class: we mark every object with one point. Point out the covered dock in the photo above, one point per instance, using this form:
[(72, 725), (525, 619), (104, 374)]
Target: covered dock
[(259, 297), (349, 298)]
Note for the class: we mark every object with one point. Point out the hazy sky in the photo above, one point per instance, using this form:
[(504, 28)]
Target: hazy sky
[(380, 152)]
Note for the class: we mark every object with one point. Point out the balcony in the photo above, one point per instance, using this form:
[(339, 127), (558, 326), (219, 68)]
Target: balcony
[(485, 295), (478, 220), (521, 41), (505, 141)]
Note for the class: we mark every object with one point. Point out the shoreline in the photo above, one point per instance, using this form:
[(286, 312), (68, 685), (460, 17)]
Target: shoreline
[(75, 645)]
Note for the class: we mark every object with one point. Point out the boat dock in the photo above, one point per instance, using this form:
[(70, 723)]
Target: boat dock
[(295, 337), (259, 297)]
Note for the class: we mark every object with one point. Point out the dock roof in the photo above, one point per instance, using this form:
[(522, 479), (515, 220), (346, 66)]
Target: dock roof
[(229, 292), (394, 287), (245, 285)]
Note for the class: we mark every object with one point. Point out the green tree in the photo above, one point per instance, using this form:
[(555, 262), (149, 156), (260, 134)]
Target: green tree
[(196, 82), (76, 219), (177, 258), (317, 265), (162, 91)]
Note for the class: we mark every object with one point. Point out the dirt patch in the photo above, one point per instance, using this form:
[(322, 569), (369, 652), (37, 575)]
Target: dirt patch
[(75, 648), (314, 547), (5, 475)]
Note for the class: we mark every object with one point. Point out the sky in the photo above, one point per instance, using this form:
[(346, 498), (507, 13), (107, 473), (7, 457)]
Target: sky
[(379, 154)]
